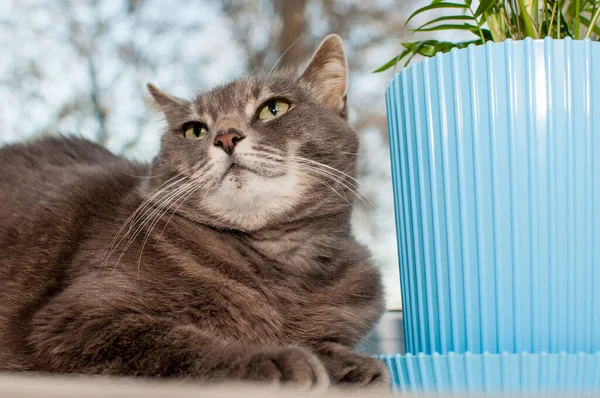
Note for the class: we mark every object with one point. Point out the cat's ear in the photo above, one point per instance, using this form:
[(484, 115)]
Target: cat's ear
[(327, 74), (164, 101)]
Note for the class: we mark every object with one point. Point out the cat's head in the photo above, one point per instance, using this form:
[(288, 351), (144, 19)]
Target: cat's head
[(262, 150)]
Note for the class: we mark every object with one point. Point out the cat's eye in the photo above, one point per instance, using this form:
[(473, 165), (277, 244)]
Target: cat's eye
[(273, 109), (194, 130)]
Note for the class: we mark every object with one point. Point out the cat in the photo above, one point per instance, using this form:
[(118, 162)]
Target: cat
[(229, 257)]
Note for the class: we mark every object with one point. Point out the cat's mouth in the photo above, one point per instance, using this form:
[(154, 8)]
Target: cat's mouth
[(237, 168)]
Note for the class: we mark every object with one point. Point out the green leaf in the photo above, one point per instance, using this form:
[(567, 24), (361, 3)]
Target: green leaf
[(430, 48), (446, 18), (494, 23), (535, 11), (393, 62), (550, 22), (470, 28), (527, 22), (435, 6), (426, 48), (564, 24), (576, 9), (484, 5), (592, 23), (577, 22), (593, 28), (502, 19)]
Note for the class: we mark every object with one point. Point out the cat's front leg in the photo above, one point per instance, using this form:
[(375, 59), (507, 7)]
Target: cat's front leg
[(141, 346), (346, 366), (71, 336)]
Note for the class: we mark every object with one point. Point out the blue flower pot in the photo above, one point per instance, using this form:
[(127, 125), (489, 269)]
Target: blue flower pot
[(496, 172), (495, 374)]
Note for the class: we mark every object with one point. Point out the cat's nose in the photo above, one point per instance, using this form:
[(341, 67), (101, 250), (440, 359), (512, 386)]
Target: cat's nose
[(228, 140)]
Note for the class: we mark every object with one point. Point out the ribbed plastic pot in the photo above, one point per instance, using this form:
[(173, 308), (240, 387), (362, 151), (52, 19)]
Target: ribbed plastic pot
[(496, 173), (495, 374)]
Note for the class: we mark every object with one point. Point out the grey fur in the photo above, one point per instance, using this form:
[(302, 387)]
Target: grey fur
[(250, 273)]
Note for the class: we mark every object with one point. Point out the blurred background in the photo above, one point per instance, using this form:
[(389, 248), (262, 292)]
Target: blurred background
[(81, 66)]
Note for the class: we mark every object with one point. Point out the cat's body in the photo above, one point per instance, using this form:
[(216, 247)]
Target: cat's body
[(233, 266)]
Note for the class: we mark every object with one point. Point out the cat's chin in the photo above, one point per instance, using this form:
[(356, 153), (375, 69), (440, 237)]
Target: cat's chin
[(248, 201)]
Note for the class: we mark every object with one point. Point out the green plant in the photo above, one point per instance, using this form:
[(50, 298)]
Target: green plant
[(498, 20)]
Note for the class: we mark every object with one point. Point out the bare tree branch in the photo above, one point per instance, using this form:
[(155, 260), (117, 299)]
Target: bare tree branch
[(292, 44)]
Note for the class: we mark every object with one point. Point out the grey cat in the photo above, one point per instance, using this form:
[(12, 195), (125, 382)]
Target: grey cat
[(233, 260)]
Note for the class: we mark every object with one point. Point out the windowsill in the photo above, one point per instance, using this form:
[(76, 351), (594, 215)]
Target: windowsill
[(387, 337)]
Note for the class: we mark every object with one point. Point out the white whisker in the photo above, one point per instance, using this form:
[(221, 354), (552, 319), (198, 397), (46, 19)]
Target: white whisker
[(144, 220), (353, 189), (163, 206), (148, 208), (285, 52), (312, 176), (183, 201), (149, 198), (184, 191), (328, 171), (325, 166)]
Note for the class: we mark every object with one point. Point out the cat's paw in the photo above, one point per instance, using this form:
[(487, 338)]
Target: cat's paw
[(365, 371), (348, 367), (289, 365)]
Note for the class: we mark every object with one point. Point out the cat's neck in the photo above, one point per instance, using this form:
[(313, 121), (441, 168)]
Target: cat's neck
[(303, 243)]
